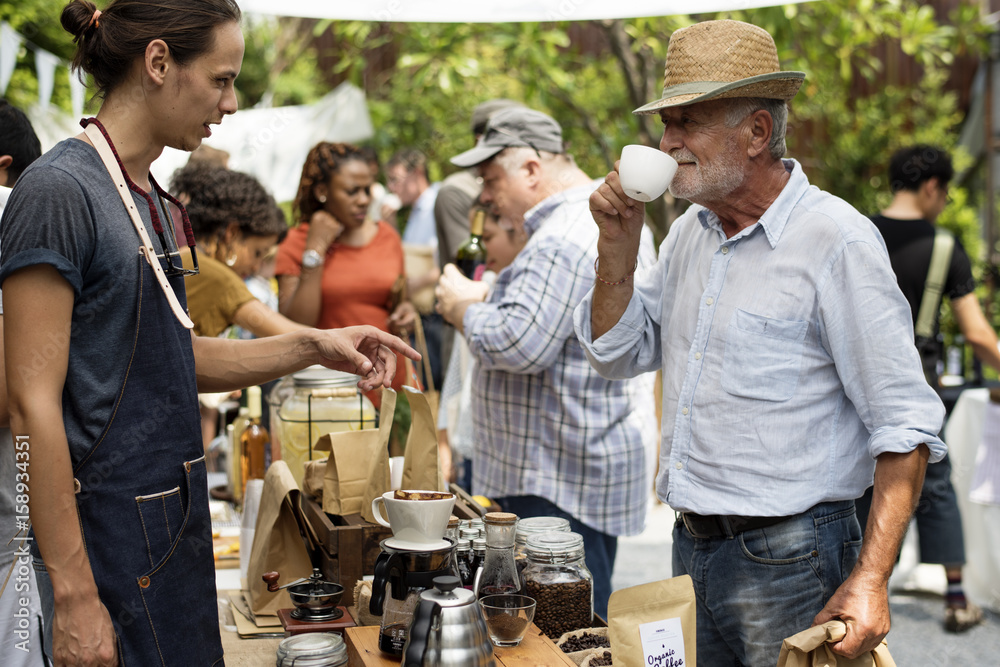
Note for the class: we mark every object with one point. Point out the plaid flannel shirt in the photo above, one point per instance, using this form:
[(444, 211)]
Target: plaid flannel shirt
[(546, 423)]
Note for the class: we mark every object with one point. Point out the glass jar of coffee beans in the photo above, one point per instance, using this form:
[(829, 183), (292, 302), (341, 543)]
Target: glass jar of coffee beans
[(558, 578), (532, 526)]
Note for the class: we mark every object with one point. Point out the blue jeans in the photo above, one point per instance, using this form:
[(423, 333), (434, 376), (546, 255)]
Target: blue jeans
[(761, 586), (599, 548)]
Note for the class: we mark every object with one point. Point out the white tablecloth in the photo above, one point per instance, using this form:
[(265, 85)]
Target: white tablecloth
[(980, 522)]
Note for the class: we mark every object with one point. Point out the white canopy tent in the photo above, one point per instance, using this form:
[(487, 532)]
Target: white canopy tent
[(507, 11), (272, 143)]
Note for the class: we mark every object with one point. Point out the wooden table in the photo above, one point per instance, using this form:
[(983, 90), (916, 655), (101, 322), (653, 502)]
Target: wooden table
[(536, 650)]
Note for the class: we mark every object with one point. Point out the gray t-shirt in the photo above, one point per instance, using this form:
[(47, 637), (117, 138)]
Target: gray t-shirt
[(65, 212)]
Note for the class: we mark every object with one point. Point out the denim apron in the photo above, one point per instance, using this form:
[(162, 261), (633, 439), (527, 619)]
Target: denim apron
[(143, 499)]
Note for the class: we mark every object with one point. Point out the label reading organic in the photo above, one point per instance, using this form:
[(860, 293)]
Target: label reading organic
[(663, 643)]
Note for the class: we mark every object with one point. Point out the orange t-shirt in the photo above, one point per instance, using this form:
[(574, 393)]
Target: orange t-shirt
[(356, 283)]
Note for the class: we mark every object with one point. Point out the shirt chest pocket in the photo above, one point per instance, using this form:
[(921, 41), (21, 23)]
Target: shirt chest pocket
[(763, 356)]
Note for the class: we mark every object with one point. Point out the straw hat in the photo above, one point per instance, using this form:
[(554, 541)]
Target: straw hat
[(717, 59)]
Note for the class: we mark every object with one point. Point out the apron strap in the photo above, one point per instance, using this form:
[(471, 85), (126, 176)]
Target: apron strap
[(146, 249)]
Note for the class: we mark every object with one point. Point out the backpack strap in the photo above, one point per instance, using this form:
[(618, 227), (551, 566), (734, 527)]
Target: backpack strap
[(944, 244)]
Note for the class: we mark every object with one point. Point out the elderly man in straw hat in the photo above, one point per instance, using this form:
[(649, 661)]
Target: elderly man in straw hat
[(787, 357)]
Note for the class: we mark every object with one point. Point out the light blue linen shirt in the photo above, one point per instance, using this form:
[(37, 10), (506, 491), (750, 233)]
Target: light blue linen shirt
[(787, 355)]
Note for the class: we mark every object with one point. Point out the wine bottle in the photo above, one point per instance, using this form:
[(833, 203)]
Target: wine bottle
[(254, 441), (470, 258)]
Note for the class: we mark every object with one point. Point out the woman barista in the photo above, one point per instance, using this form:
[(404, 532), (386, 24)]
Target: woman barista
[(103, 374)]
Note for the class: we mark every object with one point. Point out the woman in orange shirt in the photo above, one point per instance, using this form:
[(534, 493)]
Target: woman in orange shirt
[(338, 267)]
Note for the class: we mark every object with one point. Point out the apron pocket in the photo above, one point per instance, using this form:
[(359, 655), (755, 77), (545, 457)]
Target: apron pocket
[(178, 593), (161, 515)]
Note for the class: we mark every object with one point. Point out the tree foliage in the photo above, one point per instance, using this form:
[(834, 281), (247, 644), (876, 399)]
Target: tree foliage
[(589, 76)]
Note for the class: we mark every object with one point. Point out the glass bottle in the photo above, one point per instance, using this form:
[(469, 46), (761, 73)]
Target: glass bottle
[(463, 558), (234, 431), (255, 443), (558, 579), (470, 258), (451, 532), (499, 574)]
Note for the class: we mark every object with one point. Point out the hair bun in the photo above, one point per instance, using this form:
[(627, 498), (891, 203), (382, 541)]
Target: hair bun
[(76, 18)]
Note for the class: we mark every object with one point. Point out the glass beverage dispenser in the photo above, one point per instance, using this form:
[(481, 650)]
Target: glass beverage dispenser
[(311, 403)]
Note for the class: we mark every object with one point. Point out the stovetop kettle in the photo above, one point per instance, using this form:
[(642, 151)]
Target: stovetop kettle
[(448, 629)]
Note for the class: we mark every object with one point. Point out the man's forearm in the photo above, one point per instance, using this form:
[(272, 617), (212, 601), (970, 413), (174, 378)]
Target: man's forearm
[(898, 480), (40, 437), (611, 300), (227, 365)]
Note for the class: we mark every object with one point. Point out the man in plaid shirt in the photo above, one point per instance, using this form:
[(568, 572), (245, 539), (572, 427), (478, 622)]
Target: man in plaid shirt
[(553, 438)]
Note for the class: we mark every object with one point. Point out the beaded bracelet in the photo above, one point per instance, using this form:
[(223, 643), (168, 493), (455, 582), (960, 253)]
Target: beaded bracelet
[(623, 280)]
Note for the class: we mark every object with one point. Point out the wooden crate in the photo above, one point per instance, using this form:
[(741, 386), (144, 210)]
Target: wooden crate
[(349, 545), (535, 650)]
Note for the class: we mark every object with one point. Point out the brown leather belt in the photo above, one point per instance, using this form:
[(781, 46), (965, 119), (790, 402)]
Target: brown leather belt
[(725, 526)]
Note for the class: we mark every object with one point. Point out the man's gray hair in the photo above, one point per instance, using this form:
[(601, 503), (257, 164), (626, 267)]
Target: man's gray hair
[(741, 107), (513, 158)]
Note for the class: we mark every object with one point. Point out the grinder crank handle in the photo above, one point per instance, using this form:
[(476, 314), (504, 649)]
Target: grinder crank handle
[(271, 579)]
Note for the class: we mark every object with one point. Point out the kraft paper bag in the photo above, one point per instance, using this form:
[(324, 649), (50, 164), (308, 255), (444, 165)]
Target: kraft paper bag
[(663, 614), (811, 648), (421, 466), (277, 545), (419, 260), (357, 470), (312, 480)]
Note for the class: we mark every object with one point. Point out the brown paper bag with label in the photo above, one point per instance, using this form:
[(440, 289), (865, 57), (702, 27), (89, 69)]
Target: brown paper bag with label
[(629, 608), (811, 648), (277, 544), (421, 467), (357, 469)]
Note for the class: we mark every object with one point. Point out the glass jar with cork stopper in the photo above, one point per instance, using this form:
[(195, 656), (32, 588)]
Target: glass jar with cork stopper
[(499, 573)]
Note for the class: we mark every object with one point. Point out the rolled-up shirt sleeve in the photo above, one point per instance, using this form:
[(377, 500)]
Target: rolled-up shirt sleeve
[(866, 326)]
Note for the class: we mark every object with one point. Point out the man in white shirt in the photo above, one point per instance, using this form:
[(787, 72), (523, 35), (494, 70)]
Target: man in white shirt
[(787, 357)]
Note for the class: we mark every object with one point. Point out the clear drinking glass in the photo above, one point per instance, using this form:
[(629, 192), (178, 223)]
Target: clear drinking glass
[(507, 617)]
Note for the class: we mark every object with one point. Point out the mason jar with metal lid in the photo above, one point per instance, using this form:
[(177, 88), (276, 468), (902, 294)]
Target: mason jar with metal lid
[(533, 525), (312, 649), (311, 403), (558, 578)]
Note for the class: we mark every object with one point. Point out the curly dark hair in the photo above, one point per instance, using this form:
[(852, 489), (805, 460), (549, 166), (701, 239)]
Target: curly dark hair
[(324, 160), (217, 196)]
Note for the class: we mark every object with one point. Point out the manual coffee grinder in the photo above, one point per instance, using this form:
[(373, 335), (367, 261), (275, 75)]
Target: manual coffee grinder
[(401, 575), (317, 604)]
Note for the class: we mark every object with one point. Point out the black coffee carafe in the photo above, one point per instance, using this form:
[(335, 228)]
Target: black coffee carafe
[(400, 577)]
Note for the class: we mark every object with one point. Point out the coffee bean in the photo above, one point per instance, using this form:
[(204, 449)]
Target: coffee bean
[(603, 660), (562, 607), (585, 641)]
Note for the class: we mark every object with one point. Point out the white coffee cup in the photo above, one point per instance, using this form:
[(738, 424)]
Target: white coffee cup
[(414, 523), (645, 173)]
